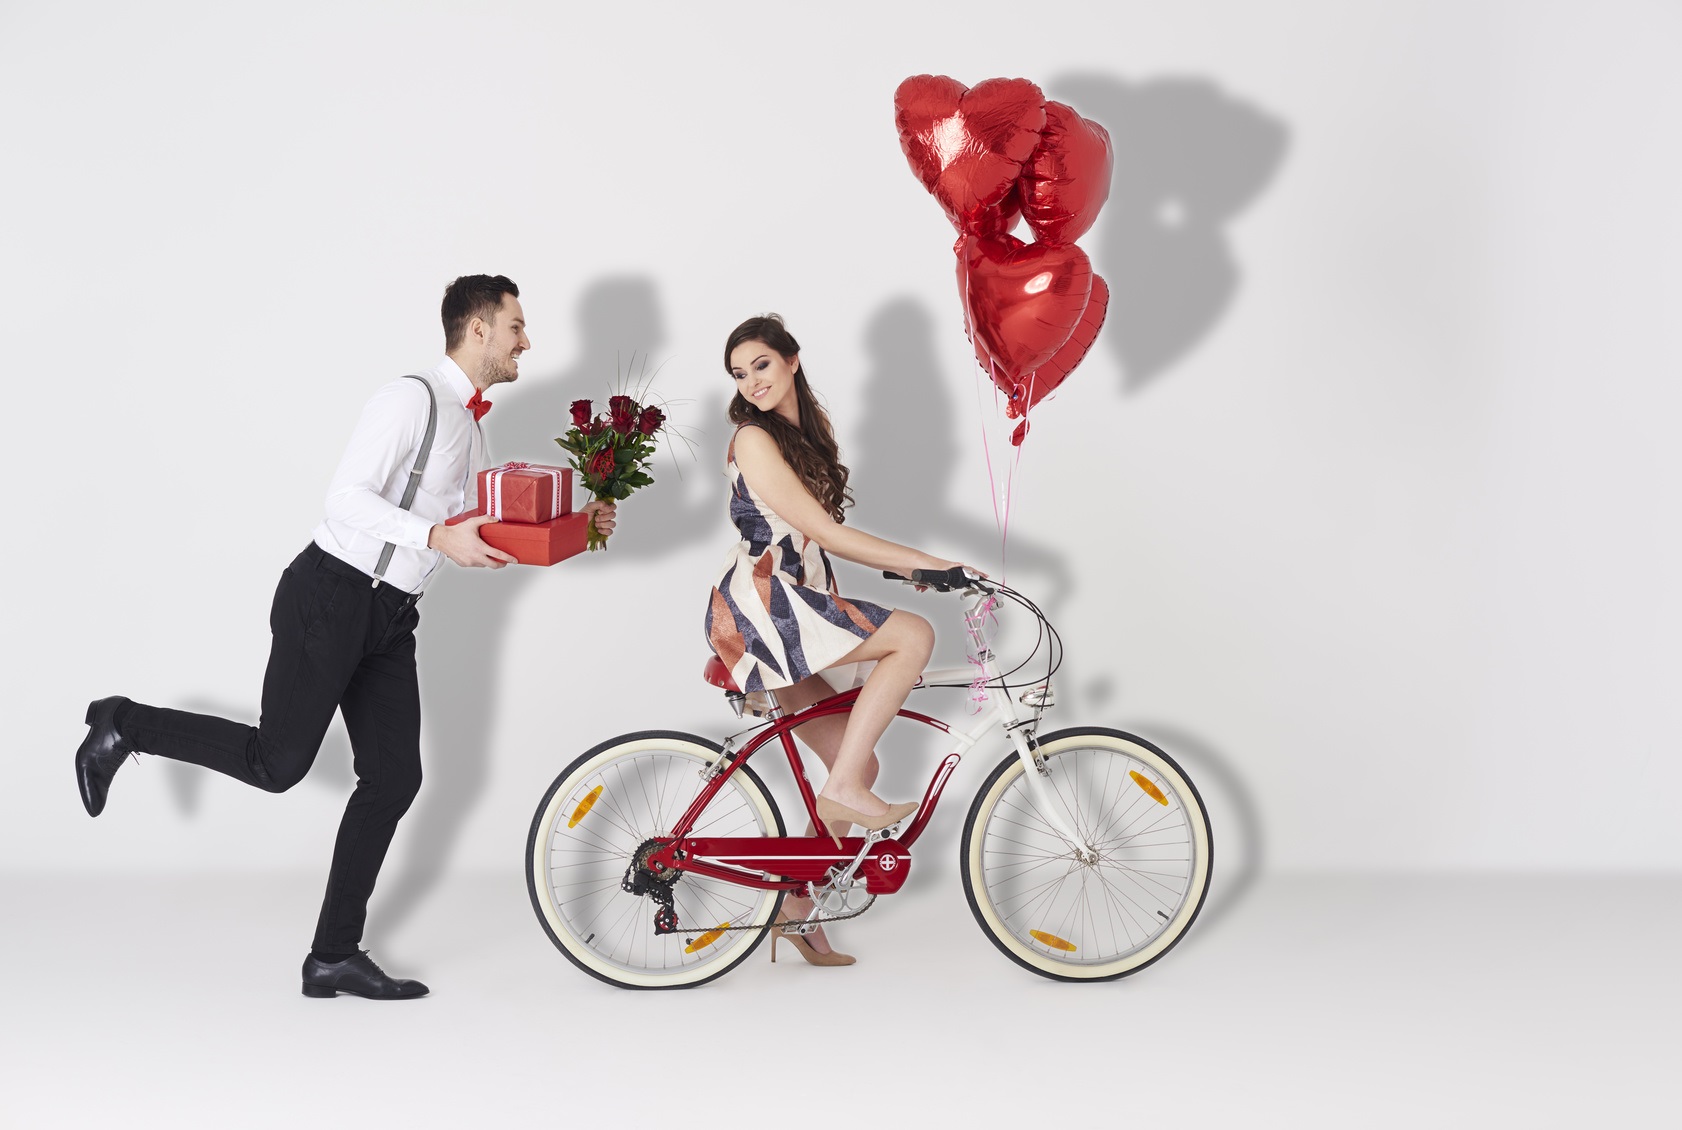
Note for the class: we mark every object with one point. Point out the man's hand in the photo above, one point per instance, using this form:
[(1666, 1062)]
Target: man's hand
[(604, 513), (461, 543)]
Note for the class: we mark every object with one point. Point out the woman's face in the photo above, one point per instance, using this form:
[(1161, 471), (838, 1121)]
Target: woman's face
[(765, 378)]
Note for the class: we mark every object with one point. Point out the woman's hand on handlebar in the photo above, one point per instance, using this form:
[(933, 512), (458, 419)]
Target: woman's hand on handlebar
[(927, 563)]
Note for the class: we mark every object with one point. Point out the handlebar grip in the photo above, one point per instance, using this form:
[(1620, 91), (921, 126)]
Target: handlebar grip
[(940, 580)]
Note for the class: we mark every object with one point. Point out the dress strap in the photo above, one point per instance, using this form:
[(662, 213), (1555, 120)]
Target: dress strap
[(730, 452)]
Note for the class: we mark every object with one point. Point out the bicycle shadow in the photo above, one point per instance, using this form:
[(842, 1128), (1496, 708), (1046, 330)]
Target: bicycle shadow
[(1188, 159), (1244, 846), (466, 614)]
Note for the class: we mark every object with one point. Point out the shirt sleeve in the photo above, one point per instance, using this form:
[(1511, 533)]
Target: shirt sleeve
[(381, 451)]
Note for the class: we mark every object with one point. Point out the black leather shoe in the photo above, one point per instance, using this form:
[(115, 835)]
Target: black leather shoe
[(358, 976), (101, 753)]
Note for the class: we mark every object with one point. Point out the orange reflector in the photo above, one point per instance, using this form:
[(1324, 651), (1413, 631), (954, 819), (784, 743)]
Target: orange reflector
[(1051, 940), (706, 939), (1150, 790), (589, 802)]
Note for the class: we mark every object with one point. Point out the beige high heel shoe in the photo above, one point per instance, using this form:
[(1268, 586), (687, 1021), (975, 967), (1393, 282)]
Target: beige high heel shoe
[(832, 812), (803, 947)]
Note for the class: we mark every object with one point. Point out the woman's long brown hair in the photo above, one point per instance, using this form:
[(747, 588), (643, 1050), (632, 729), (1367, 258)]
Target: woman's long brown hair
[(809, 449)]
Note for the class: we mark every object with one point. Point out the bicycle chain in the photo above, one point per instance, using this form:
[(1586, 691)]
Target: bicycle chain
[(775, 926)]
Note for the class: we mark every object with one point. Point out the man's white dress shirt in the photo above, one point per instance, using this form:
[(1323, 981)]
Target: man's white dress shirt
[(362, 502)]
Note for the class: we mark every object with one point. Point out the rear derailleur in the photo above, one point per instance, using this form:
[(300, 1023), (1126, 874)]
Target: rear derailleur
[(654, 881)]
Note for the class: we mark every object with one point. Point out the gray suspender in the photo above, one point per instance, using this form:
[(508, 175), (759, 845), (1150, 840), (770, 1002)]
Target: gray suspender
[(414, 475)]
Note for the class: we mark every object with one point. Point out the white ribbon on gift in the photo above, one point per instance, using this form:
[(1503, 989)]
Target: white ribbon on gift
[(493, 504)]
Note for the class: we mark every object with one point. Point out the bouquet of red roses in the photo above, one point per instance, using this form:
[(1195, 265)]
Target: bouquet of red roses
[(609, 452)]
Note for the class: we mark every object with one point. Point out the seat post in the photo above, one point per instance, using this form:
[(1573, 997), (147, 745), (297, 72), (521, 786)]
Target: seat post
[(776, 710)]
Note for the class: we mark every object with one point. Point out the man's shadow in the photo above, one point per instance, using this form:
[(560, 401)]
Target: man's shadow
[(1188, 159), (466, 613)]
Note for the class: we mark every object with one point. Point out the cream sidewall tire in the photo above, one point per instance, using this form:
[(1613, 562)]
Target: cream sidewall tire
[(542, 834), (1196, 818)]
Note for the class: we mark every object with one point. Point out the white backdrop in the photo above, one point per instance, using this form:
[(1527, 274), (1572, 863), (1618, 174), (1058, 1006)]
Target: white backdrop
[(1363, 506)]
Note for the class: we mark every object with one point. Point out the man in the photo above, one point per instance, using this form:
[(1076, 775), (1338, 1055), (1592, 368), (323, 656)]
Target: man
[(344, 640)]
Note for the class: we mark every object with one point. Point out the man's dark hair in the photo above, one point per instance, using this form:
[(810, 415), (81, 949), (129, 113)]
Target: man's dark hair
[(469, 297)]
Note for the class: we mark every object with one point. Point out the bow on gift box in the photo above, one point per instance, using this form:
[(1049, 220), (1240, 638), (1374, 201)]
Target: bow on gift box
[(494, 490)]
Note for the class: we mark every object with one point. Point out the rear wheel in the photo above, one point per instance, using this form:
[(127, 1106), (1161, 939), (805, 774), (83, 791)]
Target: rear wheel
[(1114, 903), (606, 807)]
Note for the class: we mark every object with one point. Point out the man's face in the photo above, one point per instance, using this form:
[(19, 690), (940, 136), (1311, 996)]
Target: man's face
[(505, 341)]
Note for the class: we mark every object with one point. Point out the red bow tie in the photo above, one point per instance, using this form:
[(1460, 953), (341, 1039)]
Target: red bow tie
[(478, 405)]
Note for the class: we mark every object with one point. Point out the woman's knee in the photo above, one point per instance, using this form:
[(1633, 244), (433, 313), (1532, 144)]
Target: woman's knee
[(913, 634)]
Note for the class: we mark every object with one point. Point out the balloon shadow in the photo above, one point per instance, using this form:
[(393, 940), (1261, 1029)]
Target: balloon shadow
[(465, 614), (1188, 159)]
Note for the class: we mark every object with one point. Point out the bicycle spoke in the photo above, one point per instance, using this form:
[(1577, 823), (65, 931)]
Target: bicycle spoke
[(641, 795), (1107, 897)]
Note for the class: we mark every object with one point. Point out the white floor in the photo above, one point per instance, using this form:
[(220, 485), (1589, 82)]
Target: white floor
[(1405, 1001)]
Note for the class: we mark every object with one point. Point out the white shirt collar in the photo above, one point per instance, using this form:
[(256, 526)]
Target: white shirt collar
[(456, 379)]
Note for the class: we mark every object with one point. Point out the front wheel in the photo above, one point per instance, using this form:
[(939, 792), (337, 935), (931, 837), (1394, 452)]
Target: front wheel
[(605, 808), (1114, 903)]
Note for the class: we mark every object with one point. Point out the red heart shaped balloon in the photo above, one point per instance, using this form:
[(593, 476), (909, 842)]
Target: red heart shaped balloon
[(1042, 382), (1021, 301), (1068, 178), (1003, 216), (967, 145)]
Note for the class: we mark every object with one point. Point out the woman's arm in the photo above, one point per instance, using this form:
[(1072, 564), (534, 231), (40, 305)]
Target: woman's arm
[(763, 466)]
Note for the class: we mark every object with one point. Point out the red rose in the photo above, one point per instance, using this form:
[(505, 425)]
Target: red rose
[(650, 421), (580, 413), (618, 404), (602, 464), (623, 422)]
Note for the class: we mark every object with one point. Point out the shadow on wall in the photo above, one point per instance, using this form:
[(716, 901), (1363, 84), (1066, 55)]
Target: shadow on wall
[(907, 461), (1239, 848), (464, 619), (1188, 159)]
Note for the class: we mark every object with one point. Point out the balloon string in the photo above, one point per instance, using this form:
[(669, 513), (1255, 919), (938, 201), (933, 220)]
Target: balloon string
[(981, 417), (1010, 480)]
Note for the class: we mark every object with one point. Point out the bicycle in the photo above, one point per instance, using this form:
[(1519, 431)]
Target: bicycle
[(1085, 856)]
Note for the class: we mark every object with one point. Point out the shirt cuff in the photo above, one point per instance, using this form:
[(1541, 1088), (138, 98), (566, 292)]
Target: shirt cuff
[(414, 531)]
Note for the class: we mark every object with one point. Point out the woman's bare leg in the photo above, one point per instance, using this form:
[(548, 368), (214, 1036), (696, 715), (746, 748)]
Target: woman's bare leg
[(901, 648), (823, 737)]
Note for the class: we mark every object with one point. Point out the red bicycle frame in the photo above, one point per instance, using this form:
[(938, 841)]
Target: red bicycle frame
[(797, 859)]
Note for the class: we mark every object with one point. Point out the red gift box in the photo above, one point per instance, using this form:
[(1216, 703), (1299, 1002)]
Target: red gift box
[(540, 543), (525, 492)]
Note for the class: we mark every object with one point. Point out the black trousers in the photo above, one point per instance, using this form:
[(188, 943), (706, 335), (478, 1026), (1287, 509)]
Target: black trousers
[(339, 643)]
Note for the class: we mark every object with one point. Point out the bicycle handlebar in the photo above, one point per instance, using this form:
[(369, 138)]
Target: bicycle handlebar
[(940, 580)]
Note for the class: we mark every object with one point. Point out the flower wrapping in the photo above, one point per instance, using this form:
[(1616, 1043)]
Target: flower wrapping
[(526, 492)]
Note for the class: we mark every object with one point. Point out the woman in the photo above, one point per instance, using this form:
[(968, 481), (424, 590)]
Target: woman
[(776, 618)]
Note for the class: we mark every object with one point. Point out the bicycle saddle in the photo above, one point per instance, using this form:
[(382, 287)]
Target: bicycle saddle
[(718, 675)]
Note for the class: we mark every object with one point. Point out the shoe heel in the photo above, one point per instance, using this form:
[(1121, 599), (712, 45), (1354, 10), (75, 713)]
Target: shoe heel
[(773, 947), (319, 991)]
